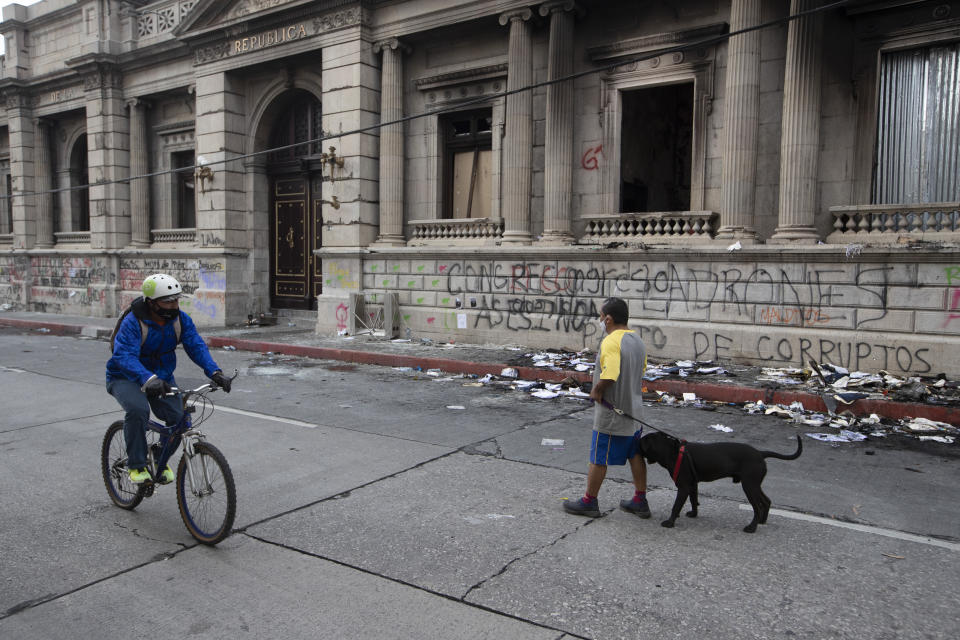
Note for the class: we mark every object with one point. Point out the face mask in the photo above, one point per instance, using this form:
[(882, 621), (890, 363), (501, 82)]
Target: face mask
[(602, 323), (166, 314)]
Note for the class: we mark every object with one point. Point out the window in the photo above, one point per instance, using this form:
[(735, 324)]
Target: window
[(299, 121), (657, 145), (468, 164), (184, 202), (918, 128)]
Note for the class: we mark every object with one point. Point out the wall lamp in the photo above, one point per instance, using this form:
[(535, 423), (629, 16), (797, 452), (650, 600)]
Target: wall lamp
[(203, 173), (332, 159)]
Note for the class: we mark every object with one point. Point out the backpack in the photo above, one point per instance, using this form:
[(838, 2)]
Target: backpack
[(144, 329)]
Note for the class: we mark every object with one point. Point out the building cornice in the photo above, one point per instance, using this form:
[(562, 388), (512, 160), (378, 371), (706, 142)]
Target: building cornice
[(646, 44), (457, 77)]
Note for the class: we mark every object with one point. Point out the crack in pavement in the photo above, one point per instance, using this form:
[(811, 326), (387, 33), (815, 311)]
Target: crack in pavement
[(411, 585), (137, 534), (50, 597), (480, 584)]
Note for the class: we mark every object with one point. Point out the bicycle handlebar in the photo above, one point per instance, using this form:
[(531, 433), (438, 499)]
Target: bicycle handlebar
[(209, 386)]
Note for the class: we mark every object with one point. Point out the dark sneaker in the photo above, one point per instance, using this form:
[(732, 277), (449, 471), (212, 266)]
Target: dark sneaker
[(582, 508), (637, 507)]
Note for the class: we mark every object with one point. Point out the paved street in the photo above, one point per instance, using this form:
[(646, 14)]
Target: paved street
[(370, 509)]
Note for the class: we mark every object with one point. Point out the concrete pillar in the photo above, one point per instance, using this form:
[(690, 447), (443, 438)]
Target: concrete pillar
[(558, 178), (740, 124), (43, 185), (518, 140), (6, 211), (22, 132), (351, 100), (139, 165), (391, 143), (63, 206), (800, 137), (108, 153), (221, 205)]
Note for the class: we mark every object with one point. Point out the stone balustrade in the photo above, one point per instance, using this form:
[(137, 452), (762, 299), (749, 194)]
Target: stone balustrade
[(169, 236), (672, 227), (456, 231), (72, 237), (889, 223)]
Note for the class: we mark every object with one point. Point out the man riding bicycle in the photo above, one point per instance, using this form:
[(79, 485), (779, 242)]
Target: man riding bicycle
[(140, 373)]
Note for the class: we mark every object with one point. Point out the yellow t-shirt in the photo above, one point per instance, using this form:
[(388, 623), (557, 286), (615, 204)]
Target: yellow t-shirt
[(622, 359)]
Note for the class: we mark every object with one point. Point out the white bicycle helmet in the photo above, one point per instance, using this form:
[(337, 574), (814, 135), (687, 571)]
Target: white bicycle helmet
[(160, 286)]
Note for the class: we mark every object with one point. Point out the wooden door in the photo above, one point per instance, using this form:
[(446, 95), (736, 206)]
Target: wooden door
[(294, 234)]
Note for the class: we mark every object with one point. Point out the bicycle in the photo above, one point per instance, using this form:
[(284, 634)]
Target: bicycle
[(206, 491)]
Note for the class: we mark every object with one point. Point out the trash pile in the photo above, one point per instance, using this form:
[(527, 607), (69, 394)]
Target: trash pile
[(846, 427), (836, 385), (557, 360), (850, 428), (683, 369), (509, 380)]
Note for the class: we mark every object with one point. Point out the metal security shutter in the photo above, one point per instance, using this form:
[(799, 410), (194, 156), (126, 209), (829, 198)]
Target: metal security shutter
[(918, 129)]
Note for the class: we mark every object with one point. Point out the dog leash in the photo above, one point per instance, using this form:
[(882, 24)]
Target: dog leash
[(620, 412), (681, 455)]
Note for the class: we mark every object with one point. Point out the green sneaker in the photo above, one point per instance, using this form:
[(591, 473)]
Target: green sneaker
[(139, 476), (166, 476)]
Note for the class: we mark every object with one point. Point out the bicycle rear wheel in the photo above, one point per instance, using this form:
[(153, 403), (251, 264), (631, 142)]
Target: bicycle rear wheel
[(113, 465), (208, 509)]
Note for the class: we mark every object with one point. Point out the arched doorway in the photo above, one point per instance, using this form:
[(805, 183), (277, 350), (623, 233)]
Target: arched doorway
[(295, 210)]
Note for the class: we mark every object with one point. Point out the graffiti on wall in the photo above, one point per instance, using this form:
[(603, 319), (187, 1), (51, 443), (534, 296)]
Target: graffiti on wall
[(782, 299), (952, 295)]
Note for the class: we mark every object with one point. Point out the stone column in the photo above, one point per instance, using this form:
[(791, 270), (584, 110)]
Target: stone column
[(63, 205), (108, 153), (391, 143), (139, 165), (222, 216), (44, 185), (558, 178), (22, 134), (6, 211), (800, 137), (740, 124), (518, 141)]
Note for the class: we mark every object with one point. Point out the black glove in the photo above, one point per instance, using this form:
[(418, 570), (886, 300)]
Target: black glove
[(156, 387), (223, 383)]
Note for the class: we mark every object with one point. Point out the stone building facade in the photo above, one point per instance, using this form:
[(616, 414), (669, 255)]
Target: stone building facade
[(779, 195)]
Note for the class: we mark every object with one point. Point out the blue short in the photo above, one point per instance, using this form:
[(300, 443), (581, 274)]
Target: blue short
[(606, 449)]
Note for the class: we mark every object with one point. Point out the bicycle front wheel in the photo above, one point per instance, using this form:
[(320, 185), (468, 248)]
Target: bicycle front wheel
[(113, 466), (207, 497)]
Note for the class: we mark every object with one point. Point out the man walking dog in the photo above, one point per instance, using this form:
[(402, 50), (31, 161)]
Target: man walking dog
[(617, 383)]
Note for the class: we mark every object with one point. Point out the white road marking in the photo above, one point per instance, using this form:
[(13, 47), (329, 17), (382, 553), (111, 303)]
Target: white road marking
[(12, 370), (263, 416), (890, 533)]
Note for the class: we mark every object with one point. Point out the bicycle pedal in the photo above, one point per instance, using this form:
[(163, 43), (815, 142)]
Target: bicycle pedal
[(148, 488)]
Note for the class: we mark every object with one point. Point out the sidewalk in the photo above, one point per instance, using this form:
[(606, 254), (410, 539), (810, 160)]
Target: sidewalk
[(294, 336)]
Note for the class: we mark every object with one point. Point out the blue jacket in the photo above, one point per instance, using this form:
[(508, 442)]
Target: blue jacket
[(157, 356)]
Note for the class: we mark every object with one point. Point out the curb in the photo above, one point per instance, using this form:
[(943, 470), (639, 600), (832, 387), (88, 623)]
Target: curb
[(713, 392), (55, 328)]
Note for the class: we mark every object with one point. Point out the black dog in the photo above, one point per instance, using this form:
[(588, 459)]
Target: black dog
[(707, 462)]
